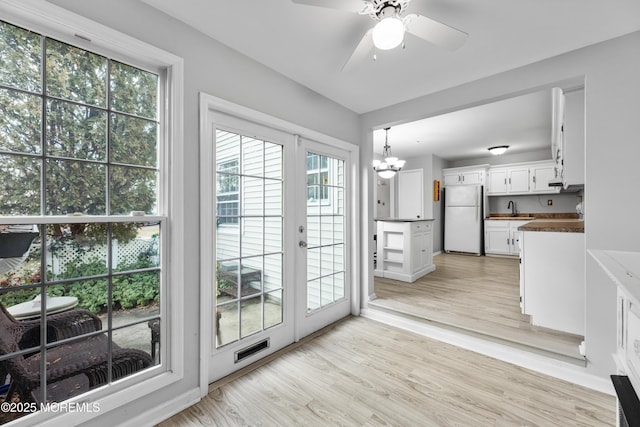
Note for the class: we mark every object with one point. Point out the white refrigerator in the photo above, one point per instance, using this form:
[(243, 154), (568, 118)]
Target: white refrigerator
[(463, 219)]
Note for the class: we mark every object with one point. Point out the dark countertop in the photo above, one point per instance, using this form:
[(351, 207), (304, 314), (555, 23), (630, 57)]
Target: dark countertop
[(526, 216), (403, 220), (554, 225)]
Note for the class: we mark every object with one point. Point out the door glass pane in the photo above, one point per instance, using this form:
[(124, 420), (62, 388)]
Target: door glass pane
[(249, 230), (325, 230)]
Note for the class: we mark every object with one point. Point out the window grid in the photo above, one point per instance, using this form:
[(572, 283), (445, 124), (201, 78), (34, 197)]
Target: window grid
[(44, 220), (246, 175), (107, 110)]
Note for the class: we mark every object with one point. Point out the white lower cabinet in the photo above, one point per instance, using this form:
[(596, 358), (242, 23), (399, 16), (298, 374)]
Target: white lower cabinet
[(404, 250), (553, 280), (502, 237)]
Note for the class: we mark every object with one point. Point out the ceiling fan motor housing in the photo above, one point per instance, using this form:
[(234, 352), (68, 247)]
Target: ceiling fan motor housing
[(380, 8)]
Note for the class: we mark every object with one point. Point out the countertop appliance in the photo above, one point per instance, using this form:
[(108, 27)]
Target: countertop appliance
[(463, 219)]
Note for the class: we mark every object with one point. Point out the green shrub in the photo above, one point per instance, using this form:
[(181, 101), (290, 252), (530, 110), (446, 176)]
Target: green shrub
[(128, 290)]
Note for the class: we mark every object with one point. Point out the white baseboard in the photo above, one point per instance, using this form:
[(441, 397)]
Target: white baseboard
[(535, 362), (437, 253), (166, 410)]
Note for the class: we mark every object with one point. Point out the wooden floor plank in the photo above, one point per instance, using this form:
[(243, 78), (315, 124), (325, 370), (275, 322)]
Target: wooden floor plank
[(478, 294), (363, 373)]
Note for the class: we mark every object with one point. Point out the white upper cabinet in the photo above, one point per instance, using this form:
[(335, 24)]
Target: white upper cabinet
[(540, 177), (572, 158), (521, 178), (472, 175), (497, 181), (518, 179)]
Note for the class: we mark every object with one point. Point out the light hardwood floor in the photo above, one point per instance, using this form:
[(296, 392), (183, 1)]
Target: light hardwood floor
[(360, 372), (476, 294)]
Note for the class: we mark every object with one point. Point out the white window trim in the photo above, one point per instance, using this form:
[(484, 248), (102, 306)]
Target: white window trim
[(54, 21)]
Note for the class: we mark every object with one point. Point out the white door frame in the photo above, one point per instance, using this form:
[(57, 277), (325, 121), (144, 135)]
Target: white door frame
[(210, 105), (309, 322)]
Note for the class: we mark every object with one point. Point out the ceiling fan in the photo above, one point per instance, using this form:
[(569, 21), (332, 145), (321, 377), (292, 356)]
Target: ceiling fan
[(388, 33)]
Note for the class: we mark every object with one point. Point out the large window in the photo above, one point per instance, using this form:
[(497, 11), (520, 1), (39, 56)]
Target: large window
[(80, 265)]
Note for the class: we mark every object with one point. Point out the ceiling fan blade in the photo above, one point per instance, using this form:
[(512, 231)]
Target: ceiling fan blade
[(361, 51), (354, 6), (435, 32)]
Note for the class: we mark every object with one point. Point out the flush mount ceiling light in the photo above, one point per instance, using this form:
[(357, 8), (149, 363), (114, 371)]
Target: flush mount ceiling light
[(498, 149), (389, 32), (388, 167)]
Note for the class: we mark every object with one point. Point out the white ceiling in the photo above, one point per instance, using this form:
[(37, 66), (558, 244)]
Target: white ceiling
[(311, 44), (523, 123)]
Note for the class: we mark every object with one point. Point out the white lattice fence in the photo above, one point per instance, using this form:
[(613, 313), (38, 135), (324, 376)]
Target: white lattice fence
[(122, 253)]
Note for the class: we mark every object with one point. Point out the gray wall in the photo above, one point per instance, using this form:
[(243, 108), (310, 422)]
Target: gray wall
[(562, 203), (611, 74), (218, 70), (438, 207)]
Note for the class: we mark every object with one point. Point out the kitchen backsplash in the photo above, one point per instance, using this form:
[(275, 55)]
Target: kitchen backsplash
[(561, 203)]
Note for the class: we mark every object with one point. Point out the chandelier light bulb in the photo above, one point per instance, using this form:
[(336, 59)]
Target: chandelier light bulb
[(388, 33), (386, 174), (391, 160), (388, 167)]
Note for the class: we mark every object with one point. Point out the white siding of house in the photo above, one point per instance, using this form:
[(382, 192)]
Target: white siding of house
[(257, 238)]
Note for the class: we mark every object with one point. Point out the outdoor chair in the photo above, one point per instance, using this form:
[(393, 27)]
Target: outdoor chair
[(66, 324), (14, 248), (72, 367)]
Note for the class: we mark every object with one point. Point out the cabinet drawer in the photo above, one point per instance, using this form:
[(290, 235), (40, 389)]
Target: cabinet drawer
[(420, 227)]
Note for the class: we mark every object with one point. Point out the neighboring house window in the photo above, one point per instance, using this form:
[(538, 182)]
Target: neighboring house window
[(228, 192), (317, 177), (79, 164)]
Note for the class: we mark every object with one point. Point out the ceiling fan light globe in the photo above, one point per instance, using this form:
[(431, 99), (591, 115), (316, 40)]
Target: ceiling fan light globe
[(400, 164), (383, 166), (386, 174), (388, 33), (376, 163)]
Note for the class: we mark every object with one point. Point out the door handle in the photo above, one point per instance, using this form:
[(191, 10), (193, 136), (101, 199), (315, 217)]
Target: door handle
[(302, 244)]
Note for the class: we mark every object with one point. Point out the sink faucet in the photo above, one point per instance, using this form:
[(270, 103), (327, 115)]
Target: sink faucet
[(512, 206)]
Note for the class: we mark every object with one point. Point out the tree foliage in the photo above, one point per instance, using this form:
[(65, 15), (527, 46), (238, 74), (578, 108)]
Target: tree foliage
[(86, 136)]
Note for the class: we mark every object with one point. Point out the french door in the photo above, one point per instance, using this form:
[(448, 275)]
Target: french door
[(275, 251), (323, 236)]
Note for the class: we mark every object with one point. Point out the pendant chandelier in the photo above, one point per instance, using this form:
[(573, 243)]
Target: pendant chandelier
[(388, 167)]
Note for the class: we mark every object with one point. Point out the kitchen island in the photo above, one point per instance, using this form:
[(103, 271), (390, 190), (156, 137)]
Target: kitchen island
[(552, 276), (405, 249)]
